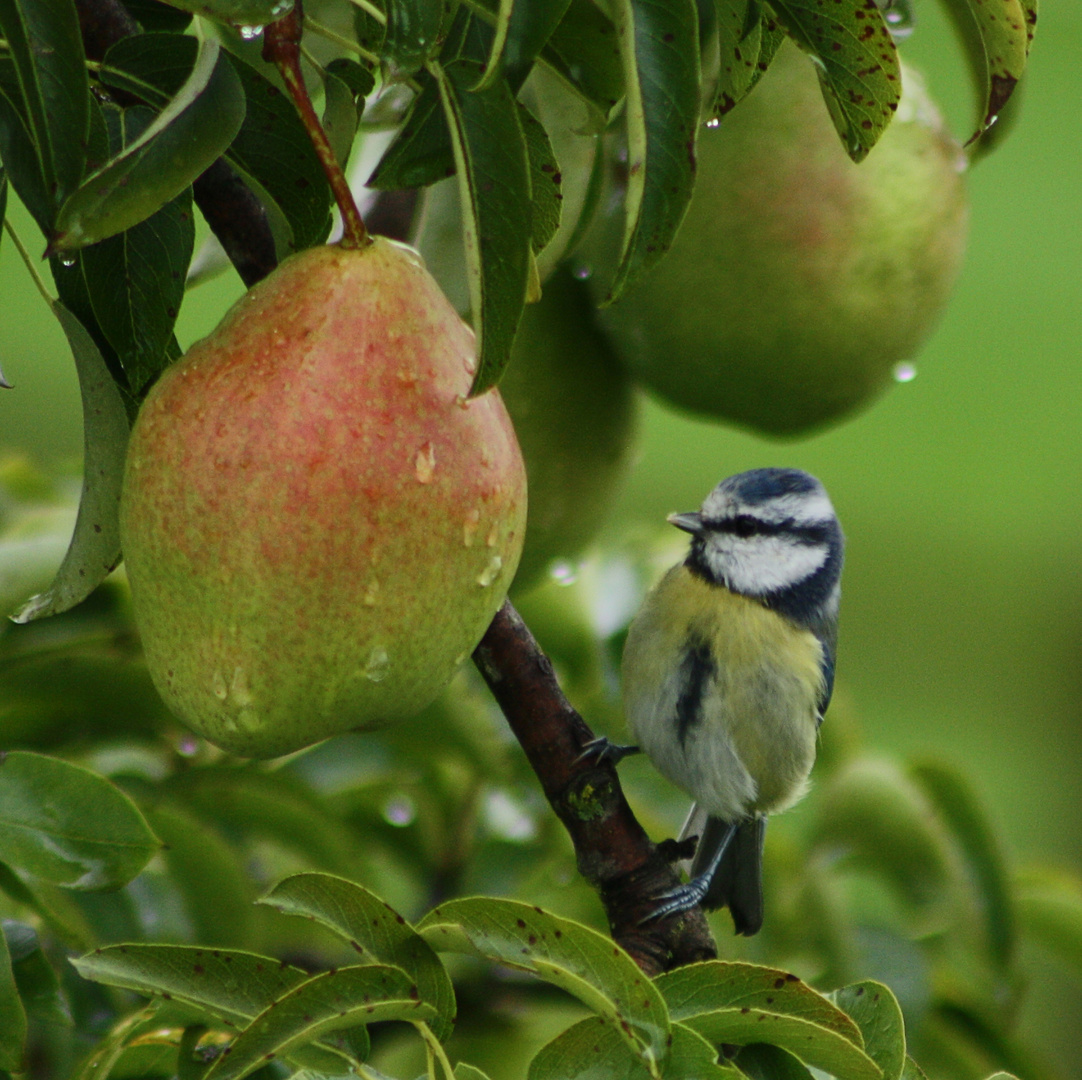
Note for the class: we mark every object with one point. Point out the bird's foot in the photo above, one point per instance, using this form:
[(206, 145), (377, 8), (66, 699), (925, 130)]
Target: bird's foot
[(682, 898), (603, 749)]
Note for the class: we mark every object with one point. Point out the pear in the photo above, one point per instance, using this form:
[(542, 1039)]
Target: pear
[(318, 525), (575, 414), (798, 280)]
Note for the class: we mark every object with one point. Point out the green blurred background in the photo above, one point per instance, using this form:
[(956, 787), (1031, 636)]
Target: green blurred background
[(960, 492)]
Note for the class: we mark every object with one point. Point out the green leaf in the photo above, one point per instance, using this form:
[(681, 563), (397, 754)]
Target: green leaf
[(545, 180), (817, 1046), (12, 1014), (761, 1061), (876, 1010), (584, 53), (67, 825), (873, 812), (957, 805), (857, 64), (328, 1002), (421, 153), (231, 986), (1049, 908), (522, 29), (37, 982), (95, 544), (701, 988), (494, 190), (47, 50), (135, 280), (254, 13), (375, 930), (357, 77), (469, 1072), (272, 150), (748, 39), (411, 37), (340, 117), (189, 134), (569, 955), (997, 51), (594, 1050), (216, 891), (912, 1071), (659, 47)]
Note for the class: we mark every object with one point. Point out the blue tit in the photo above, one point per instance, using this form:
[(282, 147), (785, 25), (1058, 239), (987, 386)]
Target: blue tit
[(728, 669)]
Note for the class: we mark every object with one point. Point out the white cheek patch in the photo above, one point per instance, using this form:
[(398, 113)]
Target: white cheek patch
[(757, 565)]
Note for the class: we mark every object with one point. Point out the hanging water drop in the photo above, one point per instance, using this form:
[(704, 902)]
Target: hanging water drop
[(904, 372)]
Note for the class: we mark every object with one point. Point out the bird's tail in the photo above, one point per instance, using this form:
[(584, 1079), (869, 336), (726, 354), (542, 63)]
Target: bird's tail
[(738, 880)]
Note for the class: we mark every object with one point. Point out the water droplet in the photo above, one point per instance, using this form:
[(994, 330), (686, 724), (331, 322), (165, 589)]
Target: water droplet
[(67, 260), (904, 372), (493, 535), (564, 573), (900, 18), (713, 122), (379, 664), (991, 122), (425, 464), (218, 687), (250, 33), (399, 810), (371, 594), (490, 572), (187, 747), (583, 271), (239, 689), (469, 527)]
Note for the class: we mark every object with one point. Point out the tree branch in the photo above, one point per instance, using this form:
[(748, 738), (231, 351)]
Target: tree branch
[(613, 852)]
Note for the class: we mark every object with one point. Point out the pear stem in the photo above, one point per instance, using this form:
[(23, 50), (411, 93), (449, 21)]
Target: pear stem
[(282, 47)]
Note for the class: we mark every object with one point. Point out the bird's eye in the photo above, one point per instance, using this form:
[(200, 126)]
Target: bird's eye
[(745, 525)]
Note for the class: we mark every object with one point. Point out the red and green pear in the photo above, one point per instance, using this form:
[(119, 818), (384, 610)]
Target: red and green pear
[(318, 523)]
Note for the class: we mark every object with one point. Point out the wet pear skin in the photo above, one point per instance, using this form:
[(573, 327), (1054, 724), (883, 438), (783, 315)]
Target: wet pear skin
[(318, 526)]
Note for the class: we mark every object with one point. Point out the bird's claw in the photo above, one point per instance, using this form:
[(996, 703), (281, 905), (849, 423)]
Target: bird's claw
[(682, 898), (603, 750)]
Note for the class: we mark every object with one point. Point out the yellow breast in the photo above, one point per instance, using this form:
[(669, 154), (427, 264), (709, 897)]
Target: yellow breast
[(752, 744)]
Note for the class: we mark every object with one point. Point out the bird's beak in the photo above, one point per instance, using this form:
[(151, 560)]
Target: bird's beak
[(691, 523)]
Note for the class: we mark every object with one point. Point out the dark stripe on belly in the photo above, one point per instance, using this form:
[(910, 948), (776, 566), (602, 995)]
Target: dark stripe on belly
[(697, 669)]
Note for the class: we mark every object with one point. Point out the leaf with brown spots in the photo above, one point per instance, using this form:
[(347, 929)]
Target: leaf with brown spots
[(996, 51), (659, 49), (714, 984), (591, 1048), (572, 956), (876, 1010), (374, 930), (857, 64), (228, 985), (328, 1002)]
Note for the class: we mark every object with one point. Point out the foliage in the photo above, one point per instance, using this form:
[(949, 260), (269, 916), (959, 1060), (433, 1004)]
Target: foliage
[(136, 851), (893, 874)]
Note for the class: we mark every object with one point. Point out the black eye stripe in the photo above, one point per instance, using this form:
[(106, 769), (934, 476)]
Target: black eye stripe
[(746, 525)]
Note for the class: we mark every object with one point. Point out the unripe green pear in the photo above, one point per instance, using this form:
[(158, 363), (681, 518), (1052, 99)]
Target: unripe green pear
[(574, 411), (318, 525), (798, 280)]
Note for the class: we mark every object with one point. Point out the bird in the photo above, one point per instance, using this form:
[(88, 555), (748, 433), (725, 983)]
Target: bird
[(728, 668)]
